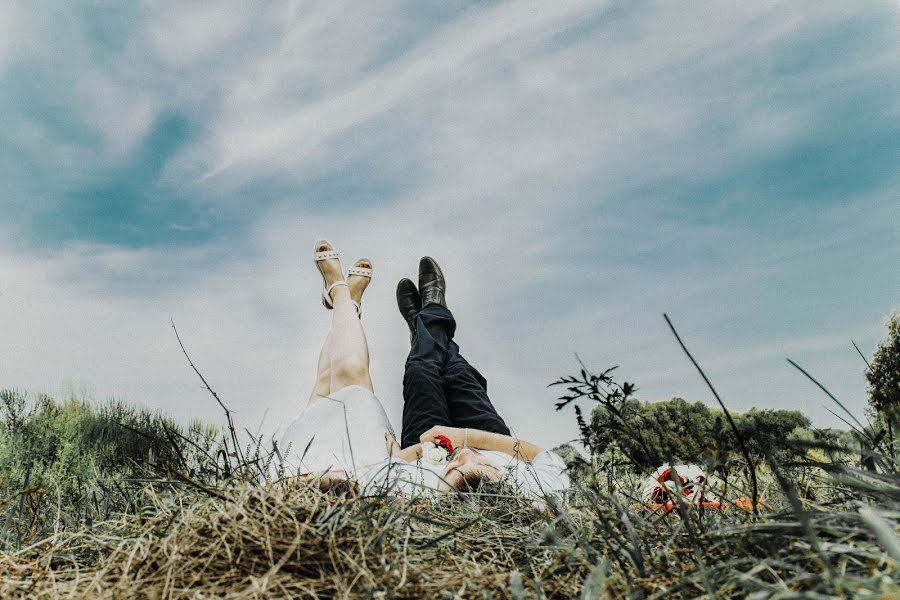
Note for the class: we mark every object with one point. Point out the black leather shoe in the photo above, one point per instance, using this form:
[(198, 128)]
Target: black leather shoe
[(432, 286), (409, 303)]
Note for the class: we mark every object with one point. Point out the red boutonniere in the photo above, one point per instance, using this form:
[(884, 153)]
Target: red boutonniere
[(444, 442)]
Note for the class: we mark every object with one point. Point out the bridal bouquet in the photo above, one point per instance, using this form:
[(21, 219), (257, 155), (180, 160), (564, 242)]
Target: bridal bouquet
[(437, 454)]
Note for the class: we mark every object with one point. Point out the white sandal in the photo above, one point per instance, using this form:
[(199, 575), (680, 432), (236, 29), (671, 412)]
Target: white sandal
[(326, 289), (361, 272)]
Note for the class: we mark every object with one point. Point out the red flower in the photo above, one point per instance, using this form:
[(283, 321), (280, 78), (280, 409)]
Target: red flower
[(444, 442)]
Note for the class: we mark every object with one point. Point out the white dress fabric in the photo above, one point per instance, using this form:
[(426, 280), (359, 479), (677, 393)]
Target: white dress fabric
[(544, 476), (398, 477), (343, 432)]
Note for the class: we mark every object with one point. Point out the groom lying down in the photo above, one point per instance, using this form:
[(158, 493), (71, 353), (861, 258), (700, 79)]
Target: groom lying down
[(452, 437)]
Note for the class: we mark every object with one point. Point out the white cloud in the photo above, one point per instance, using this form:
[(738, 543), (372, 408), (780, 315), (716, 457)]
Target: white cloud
[(188, 34), (292, 138), (8, 23), (517, 152)]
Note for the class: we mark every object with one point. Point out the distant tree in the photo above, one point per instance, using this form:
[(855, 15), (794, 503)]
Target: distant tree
[(883, 373), (680, 431), (658, 432), (771, 431), (675, 430)]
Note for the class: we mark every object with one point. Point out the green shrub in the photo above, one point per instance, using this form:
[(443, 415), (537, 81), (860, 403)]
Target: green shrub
[(70, 464), (651, 433)]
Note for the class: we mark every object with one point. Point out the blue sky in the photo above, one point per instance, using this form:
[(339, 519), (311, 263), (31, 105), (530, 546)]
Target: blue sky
[(578, 168)]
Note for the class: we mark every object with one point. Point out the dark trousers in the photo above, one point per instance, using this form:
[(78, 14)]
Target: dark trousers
[(439, 386)]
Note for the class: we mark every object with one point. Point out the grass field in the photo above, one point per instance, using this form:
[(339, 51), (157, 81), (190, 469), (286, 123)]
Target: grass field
[(113, 502)]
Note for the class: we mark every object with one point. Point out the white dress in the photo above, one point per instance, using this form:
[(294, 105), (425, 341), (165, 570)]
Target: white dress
[(341, 432)]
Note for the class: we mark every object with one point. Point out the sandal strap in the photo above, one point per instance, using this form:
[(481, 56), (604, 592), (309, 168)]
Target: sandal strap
[(327, 254), (361, 271), (334, 285)]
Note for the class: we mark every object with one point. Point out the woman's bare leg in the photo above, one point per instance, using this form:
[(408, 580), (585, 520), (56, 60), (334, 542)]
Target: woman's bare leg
[(322, 386), (348, 348), (344, 359)]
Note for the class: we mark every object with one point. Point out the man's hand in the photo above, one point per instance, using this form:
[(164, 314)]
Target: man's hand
[(484, 440), (456, 435)]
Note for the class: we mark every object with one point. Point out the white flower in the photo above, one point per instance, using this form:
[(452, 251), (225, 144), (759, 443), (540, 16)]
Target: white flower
[(436, 455)]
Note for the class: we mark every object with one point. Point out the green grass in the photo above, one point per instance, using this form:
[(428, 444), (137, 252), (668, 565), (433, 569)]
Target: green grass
[(117, 502)]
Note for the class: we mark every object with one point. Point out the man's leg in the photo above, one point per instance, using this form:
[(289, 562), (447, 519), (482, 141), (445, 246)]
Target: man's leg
[(440, 387), (424, 401), (467, 396)]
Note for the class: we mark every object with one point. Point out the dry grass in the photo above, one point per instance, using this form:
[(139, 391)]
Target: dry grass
[(278, 541), (291, 542)]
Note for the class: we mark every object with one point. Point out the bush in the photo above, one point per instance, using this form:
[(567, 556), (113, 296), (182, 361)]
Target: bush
[(883, 373), (67, 465), (676, 430)]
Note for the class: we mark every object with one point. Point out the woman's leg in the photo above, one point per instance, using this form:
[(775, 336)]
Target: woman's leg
[(348, 348), (344, 360), (323, 372)]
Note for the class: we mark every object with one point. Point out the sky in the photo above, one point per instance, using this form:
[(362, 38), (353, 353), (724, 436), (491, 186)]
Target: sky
[(577, 168)]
